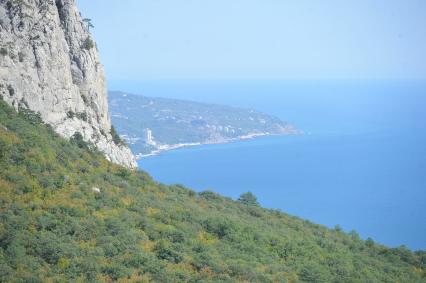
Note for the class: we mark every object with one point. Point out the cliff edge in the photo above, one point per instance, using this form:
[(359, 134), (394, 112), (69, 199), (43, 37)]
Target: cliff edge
[(49, 63)]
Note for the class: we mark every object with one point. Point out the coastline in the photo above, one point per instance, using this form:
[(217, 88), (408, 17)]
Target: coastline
[(170, 147)]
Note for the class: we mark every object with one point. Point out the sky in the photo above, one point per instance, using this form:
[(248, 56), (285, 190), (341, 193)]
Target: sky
[(259, 39)]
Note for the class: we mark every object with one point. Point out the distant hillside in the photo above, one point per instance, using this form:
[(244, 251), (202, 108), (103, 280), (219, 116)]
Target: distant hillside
[(69, 215), (155, 124)]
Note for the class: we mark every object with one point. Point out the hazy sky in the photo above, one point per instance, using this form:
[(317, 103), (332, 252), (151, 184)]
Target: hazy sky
[(260, 39)]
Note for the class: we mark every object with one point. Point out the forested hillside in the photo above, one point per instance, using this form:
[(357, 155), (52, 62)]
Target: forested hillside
[(67, 214), (174, 123)]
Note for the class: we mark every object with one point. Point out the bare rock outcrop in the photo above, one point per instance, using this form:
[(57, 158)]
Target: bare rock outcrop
[(49, 63)]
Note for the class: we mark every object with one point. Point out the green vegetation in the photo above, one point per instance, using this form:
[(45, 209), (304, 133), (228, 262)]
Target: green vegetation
[(115, 137), (21, 56), (84, 98), (81, 115), (3, 51), (88, 23), (70, 114), (77, 139), (11, 90), (68, 215), (88, 43), (248, 199)]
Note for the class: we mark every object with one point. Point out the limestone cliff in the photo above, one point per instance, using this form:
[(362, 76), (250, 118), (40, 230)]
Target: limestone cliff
[(49, 64)]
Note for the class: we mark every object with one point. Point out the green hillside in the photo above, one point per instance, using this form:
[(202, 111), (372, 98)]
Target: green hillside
[(68, 215)]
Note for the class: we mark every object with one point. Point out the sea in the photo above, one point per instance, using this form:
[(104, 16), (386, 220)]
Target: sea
[(361, 163)]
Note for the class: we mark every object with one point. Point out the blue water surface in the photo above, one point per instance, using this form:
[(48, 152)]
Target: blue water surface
[(361, 163)]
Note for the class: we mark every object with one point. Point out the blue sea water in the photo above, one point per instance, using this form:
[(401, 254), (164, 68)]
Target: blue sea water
[(361, 163)]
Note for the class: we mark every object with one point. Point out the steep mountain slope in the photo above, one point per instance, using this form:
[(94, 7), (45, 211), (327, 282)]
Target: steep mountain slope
[(49, 64), (69, 215)]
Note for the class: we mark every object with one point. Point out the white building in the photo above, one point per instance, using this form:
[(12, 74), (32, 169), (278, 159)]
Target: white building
[(147, 137)]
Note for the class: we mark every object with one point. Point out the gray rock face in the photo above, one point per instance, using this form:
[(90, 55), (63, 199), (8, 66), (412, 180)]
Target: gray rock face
[(50, 64)]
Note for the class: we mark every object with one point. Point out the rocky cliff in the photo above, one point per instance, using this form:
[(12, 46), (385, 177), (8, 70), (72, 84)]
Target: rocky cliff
[(49, 63)]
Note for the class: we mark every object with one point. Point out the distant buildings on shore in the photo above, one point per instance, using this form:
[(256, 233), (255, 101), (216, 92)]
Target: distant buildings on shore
[(147, 137)]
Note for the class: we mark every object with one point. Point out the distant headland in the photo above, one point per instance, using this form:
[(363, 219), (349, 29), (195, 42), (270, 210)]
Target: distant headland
[(154, 125)]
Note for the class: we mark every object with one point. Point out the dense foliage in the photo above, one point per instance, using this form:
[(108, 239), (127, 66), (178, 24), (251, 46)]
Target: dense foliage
[(66, 214)]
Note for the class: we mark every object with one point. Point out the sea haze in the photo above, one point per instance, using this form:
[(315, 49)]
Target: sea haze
[(361, 163)]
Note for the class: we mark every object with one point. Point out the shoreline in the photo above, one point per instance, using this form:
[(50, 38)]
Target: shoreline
[(170, 147)]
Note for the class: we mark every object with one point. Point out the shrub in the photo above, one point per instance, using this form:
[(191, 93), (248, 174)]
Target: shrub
[(81, 116), (218, 226), (78, 140), (209, 195), (123, 173), (84, 99), (70, 114), (3, 51), (21, 57), (338, 228), (11, 90), (31, 116), (115, 137), (313, 272), (369, 242), (116, 271), (88, 43), (248, 199), (164, 250)]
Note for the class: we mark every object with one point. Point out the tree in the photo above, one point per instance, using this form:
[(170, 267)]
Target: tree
[(115, 137), (369, 242), (338, 228), (89, 23), (78, 140), (249, 199)]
